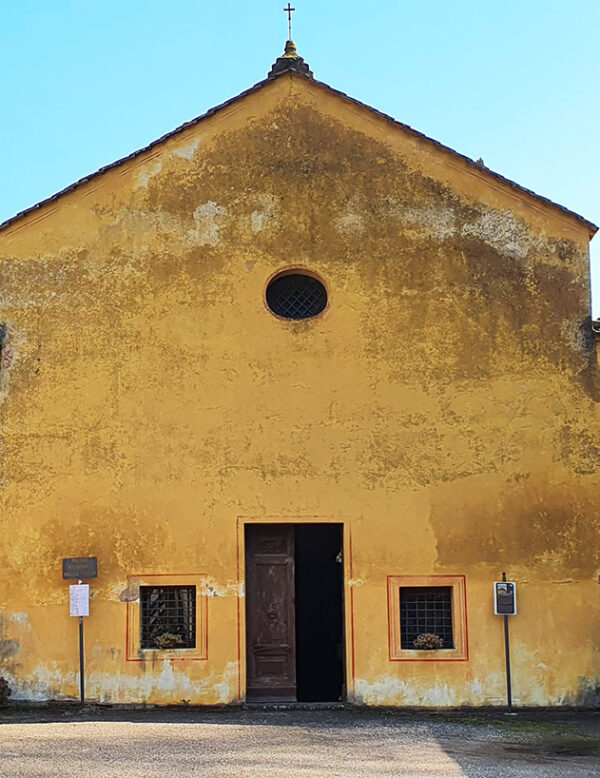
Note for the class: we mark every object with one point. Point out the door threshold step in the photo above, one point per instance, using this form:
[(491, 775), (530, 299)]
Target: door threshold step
[(294, 705)]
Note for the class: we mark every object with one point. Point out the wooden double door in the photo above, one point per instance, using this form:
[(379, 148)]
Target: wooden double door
[(294, 612)]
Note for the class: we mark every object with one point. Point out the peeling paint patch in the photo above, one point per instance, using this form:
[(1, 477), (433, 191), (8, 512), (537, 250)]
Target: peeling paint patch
[(166, 681), (131, 593), (573, 335), (257, 220), (439, 222), (350, 224), (352, 221), (187, 151), (212, 588), (209, 218), (174, 686), (501, 230), (389, 690), (8, 648), (226, 690), (265, 217), (145, 175), (22, 619), (44, 684)]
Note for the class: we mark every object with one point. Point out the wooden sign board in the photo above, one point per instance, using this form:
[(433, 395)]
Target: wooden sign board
[(80, 568)]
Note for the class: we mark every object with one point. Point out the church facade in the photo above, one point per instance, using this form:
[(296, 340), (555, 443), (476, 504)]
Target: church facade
[(306, 383)]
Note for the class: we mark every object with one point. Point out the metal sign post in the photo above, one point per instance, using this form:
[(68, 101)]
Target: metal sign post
[(507, 662), (81, 667), (505, 604), (80, 606), (79, 601)]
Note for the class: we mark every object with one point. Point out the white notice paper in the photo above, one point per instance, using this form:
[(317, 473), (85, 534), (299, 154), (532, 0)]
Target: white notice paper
[(80, 599)]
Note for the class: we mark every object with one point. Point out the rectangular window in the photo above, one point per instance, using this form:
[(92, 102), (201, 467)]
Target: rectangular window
[(425, 612), (167, 617), (427, 618)]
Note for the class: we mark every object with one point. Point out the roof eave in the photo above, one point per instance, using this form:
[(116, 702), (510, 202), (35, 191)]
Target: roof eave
[(591, 227), (480, 169)]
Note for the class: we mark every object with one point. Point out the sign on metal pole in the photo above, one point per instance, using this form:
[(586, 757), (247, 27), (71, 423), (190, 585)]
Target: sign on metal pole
[(505, 604), (80, 568), (79, 600), (505, 598)]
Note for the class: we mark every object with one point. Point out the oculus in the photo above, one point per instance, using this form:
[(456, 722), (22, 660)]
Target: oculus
[(296, 296)]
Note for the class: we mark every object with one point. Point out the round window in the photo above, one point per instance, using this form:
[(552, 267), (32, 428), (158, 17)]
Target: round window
[(296, 296)]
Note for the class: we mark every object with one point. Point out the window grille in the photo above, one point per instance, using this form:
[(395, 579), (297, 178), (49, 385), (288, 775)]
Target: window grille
[(168, 617), (296, 296), (426, 610)]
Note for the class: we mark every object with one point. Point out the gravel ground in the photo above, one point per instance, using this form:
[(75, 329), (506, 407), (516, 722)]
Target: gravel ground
[(102, 743)]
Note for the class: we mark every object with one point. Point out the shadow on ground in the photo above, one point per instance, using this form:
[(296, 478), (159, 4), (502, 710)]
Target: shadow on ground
[(99, 742)]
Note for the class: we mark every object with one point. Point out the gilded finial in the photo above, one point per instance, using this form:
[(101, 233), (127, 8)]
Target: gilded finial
[(290, 51), (290, 61)]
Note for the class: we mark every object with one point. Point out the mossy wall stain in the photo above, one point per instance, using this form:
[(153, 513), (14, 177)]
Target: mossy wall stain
[(444, 407)]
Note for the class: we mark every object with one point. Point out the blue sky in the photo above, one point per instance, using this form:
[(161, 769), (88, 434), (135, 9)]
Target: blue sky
[(515, 82)]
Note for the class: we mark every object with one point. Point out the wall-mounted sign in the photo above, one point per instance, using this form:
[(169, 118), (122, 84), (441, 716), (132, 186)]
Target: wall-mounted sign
[(79, 600), (505, 598), (81, 568)]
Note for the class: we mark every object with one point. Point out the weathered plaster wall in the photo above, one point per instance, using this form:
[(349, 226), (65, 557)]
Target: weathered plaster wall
[(444, 407)]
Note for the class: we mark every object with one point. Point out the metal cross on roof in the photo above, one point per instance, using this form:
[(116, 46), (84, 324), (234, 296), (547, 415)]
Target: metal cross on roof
[(289, 11)]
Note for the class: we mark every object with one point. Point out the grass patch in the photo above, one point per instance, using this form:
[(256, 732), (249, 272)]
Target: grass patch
[(541, 737), (559, 746), (514, 725), (576, 746)]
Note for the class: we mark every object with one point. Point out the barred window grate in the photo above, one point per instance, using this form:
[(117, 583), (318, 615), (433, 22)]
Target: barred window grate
[(426, 610), (168, 617), (296, 296)]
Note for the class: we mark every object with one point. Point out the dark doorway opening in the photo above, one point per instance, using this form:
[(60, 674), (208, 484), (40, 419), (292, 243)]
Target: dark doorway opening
[(319, 612), (294, 612)]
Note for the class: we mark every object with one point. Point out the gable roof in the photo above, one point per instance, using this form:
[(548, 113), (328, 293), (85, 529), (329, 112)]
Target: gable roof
[(292, 64)]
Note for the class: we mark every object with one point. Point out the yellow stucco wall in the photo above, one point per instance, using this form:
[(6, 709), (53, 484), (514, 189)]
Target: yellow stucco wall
[(444, 407)]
